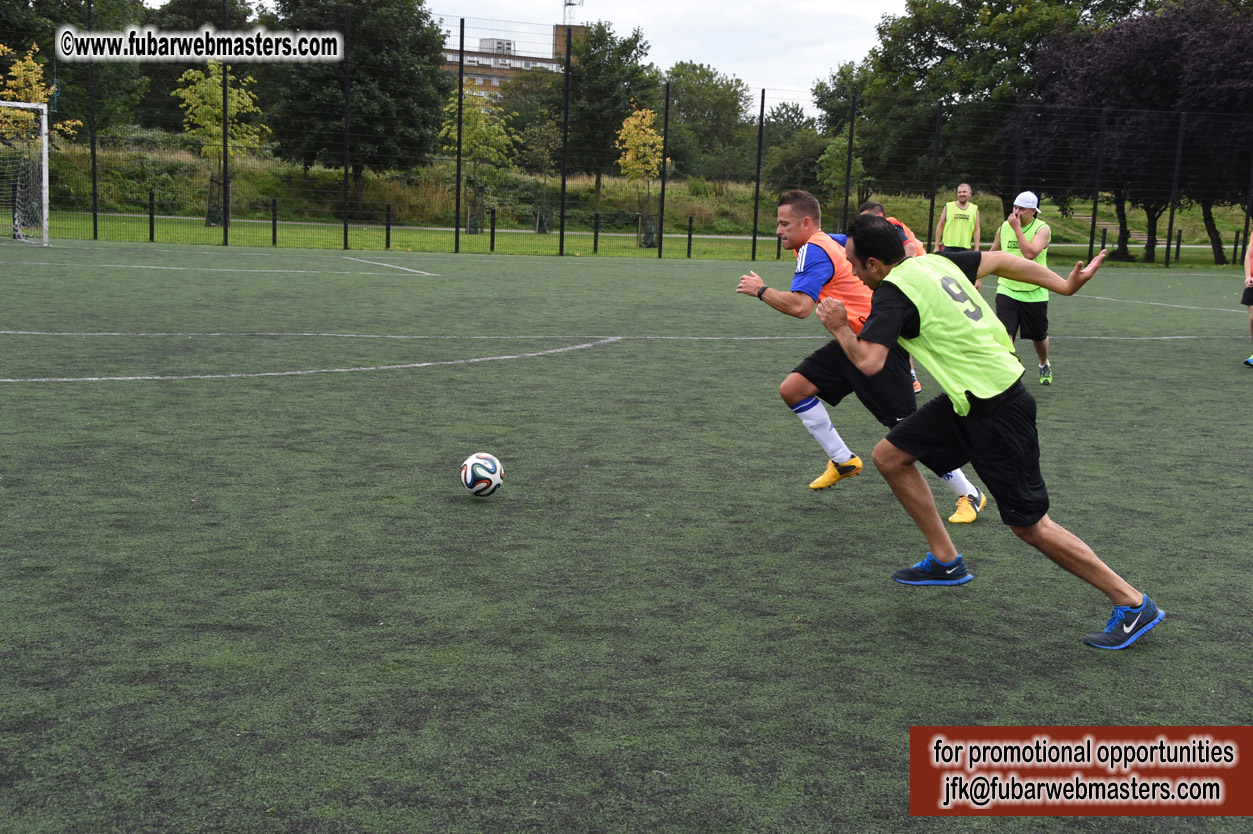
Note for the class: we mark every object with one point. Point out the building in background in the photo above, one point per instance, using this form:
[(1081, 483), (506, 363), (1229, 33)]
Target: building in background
[(497, 58)]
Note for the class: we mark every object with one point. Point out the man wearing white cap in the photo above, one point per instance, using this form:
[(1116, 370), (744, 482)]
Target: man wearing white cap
[(1024, 308)]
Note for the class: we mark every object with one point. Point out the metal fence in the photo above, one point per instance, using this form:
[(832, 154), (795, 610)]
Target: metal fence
[(1186, 177)]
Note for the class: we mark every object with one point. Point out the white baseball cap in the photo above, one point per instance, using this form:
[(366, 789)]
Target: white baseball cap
[(1027, 200)]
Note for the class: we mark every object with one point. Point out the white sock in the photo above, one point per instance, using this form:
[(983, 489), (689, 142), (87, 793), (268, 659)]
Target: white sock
[(814, 415), (960, 484)]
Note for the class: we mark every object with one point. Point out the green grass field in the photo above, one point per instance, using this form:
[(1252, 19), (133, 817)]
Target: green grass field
[(241, 589)]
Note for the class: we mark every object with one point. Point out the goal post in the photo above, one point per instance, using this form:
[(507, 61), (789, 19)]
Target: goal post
[(24, 170)]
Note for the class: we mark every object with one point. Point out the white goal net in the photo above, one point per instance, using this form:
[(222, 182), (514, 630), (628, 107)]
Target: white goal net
[(24, 172)]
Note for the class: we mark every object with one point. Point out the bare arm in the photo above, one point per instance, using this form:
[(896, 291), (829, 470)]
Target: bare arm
[(975, 244), (1032, 248), (939, 229), (1029, 272), (1248, 267), (869, 357), (796, 304)]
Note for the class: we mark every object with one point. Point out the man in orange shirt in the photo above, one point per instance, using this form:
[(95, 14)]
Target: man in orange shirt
[(823, 271)]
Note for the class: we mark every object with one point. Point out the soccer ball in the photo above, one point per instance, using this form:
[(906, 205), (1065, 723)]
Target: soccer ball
[(482, 474)]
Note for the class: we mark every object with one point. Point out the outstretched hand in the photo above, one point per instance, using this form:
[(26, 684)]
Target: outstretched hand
[(1081, 274)]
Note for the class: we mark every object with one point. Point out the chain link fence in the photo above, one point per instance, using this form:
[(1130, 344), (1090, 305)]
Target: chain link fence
[(1141, 183)]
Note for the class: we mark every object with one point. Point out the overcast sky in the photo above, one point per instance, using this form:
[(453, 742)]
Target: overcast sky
[(781, 45)]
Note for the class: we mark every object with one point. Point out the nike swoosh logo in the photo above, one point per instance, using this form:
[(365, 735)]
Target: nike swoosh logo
[(950, 570), (1127, 629)]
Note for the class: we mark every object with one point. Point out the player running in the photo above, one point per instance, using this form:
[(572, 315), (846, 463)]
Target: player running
[(823, 271), (985, 416)]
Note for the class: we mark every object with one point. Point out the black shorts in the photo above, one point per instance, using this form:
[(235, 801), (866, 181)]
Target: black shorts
[(998, 438), (948, 248), (888, 395), (1028, 318), (1247, 298)]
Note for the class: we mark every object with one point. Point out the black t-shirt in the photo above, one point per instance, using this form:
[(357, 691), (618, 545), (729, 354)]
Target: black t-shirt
[(893, 316)]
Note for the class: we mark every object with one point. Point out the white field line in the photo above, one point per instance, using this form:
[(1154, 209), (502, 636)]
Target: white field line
[(251, 271), (1159, 304), (316, 371), (274, 334), (392, 266)]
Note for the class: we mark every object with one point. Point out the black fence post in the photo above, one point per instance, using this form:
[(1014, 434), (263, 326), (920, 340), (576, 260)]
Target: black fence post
[(492, 244), (461, 93), (665, 147), (935, 176), (1235, 250), (778, 247), (1174, 187), (595, 233), (689, 237), (274, 221), (387, 220), (1096, 186), (1178, 244), (91, 127), (152, 216), (848, 162), (347, 113), (565, 147), (226, 146), (761, 129), (1104, 235)]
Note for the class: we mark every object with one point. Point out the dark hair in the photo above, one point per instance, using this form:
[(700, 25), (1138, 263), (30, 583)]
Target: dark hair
[(804, 202), (872, 206), (874, 237)]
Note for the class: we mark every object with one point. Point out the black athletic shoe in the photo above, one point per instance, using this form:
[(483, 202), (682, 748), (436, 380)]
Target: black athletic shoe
[(931, 571), (1127, 625)]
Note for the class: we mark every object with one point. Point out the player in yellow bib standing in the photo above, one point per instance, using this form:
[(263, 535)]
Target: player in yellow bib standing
[(958, 227), (1024, 308)]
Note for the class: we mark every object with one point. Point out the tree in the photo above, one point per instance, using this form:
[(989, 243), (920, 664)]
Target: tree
[(641, 161), (783, 122), (398, 87), (201, 95), (709, 108), (607, 77), (836, 94), (25, 82), (641, 147), (1151, 73), (158, 107), (485, 139), (980, 54), (833, 174), (118, 85), (531, 97), (794, 164), (540, 146)]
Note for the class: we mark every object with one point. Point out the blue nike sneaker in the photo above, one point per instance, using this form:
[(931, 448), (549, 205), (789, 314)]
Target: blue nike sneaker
[(1127, 625), (931, 571)]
